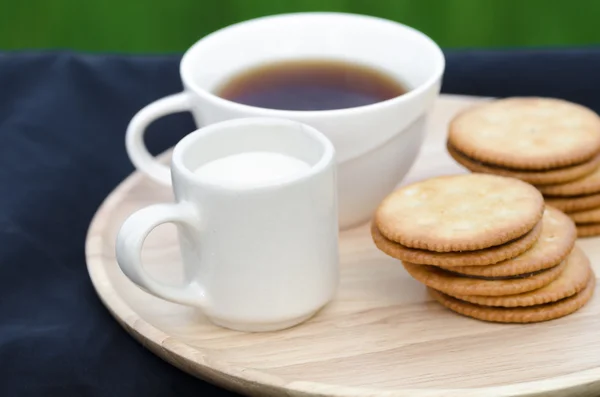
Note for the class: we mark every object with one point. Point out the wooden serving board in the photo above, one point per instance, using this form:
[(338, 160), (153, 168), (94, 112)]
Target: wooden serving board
[(381, 336)]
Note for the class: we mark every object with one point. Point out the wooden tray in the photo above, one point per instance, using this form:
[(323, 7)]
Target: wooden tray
[(382, 336)]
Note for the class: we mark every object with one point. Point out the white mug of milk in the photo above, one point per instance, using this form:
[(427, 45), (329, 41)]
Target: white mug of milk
[(256, 210)]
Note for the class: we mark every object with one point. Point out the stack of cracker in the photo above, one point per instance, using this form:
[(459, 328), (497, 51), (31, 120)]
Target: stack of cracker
[(550, 143), (487, 247)]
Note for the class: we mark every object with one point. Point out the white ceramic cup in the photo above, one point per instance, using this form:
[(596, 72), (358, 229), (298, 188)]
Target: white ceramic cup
[(375, 144), (255, 258)]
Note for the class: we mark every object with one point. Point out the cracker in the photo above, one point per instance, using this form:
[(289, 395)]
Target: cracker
[(453, 284), (588, 184), (587, 216), (486, 256), (460, 212), (573, 204), (572, 280), (527, 133), (555, 243), (588, 230), (530, 314), (553, 176)]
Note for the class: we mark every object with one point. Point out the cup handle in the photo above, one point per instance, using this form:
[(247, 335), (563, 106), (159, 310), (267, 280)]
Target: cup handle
[(130, 241), (134, 138)]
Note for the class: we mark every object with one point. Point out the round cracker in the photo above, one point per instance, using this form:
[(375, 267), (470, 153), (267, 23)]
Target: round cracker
[(527, 133), (460, 212), (530, 314), (572, 280), (454, 284), (588, 230), (588, 184), (479, 258), (573, 204), (587, 216), (553, 176), (554, 245)]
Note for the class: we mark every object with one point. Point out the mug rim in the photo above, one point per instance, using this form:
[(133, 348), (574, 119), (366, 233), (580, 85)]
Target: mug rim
[(326, 159), (280, 113)]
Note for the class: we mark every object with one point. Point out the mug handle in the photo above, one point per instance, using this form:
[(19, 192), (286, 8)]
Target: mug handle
[(134, 138), (130, 241)]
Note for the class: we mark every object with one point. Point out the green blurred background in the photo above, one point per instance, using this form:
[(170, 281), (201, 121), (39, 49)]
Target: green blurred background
[(151, 26)]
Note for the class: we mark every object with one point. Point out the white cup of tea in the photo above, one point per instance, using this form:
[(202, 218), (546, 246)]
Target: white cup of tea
[(376, 144), (257, 217)]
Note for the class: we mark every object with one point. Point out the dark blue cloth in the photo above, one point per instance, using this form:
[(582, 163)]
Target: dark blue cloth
[(62, 123)]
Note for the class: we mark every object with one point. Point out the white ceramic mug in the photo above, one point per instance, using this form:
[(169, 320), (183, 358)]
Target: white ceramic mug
[(256, 258), (375, 144)]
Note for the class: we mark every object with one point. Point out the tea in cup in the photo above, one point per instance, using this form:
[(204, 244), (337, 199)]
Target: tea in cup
[(366, 83)]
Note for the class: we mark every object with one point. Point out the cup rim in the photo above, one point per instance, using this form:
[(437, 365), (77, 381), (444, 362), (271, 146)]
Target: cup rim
[(279, 113), (327, 157)]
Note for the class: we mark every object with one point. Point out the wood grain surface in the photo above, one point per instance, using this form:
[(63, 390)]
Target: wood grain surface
[(381, 336)]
